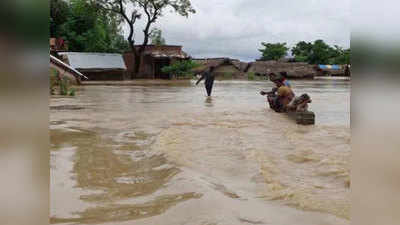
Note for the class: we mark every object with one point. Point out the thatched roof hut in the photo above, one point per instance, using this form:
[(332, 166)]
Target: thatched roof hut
[(295, 70), (226, 67)]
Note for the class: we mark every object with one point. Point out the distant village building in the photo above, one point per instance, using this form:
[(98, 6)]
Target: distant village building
[(333, 70), (154, 59), (294, 70), (96, 66), (225, 67)]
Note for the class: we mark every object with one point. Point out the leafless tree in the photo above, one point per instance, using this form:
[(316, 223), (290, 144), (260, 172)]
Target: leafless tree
[(150, 10)]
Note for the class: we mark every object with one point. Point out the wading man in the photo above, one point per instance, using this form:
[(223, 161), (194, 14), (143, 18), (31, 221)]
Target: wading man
[(209, 79)]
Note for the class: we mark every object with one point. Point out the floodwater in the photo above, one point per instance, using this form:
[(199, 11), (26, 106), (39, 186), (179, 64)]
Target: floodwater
[(166, 154)]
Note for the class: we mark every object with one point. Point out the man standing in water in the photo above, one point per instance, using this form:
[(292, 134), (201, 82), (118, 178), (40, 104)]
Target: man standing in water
[(209, 79)]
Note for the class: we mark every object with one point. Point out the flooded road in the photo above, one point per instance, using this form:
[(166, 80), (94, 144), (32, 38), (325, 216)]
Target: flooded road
[(165, 154)]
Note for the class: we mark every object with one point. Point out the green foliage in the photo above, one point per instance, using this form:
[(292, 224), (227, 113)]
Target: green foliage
[(180, 69), (301, 58), (320, 53), (72, 92), (150, 10), (59, 13), (251, 76), (342, 56), (227, 75), (302, 50), (53, 81), (86, 26), (273, 51), (156, 37), (181, 7), (63, 84)]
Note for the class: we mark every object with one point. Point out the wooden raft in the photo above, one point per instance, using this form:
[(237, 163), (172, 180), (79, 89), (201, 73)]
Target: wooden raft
[(303, 118)]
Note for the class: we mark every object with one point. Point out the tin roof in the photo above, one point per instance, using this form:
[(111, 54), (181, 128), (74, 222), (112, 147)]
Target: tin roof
[(61, 64), (83, 60)]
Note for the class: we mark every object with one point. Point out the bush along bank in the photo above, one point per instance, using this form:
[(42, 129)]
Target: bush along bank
[(61, 85)]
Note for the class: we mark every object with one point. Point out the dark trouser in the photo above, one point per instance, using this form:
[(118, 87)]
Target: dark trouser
[(209, 85), (274, 103)]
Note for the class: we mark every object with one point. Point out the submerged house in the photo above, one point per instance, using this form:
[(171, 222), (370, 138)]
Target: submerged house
[(294, 70), (96, 66), (153, 59), (225, 67)]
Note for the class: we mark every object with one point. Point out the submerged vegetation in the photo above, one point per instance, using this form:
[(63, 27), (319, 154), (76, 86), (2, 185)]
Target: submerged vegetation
[(252, 76), (226, 76), (61, 85)]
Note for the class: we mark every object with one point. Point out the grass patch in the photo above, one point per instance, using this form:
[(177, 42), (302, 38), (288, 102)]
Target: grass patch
[(251, 76), (60, 85)]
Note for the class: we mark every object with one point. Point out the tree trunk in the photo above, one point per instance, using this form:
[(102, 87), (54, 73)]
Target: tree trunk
[(138, 61)]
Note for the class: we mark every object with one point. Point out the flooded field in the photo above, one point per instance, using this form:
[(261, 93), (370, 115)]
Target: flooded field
[(166, 154)]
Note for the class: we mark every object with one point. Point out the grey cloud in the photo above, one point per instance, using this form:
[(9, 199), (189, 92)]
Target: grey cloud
[(236, 28)]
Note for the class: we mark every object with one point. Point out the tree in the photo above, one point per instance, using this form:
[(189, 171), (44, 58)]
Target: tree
[(86, 26), (320, 53), (180, 68), (342, 56), (273, 51), (156, 37), (152, 9), (302, 51), (59, 12)]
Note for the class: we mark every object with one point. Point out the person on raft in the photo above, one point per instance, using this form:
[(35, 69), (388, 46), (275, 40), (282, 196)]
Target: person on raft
[(281, 95), (283, 77), (299, 104), (209, 79), (282, 98)]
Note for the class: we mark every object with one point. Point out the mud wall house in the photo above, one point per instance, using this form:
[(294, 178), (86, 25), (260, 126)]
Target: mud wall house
[(153, 59), (225, 67), (242, 66), (96, 66), (294, 70)]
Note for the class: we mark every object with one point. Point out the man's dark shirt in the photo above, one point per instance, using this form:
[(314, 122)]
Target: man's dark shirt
[(209, 81)]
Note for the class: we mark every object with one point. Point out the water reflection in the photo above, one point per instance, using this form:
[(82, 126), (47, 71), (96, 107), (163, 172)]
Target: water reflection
[(209, 102), (120, 213), (117, 170)]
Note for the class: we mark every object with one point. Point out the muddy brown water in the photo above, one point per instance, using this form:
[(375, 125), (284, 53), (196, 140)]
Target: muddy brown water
[(166, 154)]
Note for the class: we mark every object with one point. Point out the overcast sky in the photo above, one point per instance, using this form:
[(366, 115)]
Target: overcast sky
[(236, 28)]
